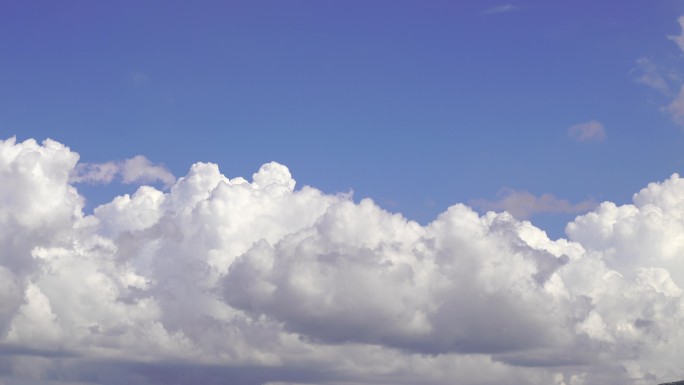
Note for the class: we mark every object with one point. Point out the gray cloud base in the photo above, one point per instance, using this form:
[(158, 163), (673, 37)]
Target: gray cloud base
[(254, 282)]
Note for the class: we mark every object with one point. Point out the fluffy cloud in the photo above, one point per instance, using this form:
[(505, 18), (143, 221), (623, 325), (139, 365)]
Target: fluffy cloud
[(259, 282), (591, 131)]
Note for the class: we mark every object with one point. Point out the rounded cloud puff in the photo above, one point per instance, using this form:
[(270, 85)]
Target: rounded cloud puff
[(260, 282)]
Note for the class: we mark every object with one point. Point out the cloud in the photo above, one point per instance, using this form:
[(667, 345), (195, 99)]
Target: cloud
[(523, 204), (95, 173), (676, 108), (656, 78), (679, 39), (503, 8), (260, 281), (650, 75), (138, 78), (134, 170), (140, 169), (591, 131)]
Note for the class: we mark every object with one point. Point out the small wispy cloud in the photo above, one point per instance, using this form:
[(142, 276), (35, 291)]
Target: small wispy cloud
[(523, 204), (503, 8), (665, 79), (676, 108), (138, 169), (649, 74), (679, 39), (591, 131), (95, 173), (138, 78)]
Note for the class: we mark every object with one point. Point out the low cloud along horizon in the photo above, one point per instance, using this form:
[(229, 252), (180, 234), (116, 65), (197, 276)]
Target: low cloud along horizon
[(261, 282)]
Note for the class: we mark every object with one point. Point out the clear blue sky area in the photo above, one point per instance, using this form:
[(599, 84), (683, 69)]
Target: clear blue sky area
[(418, 105)]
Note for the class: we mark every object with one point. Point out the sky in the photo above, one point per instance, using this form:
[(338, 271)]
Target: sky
[(358, 192)]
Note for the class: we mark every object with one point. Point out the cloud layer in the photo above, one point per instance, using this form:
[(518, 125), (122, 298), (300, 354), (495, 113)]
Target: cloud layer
[(259, 282)]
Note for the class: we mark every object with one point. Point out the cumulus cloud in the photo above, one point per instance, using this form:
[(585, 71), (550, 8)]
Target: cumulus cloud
[(591, 131), (138, 169), (523, 204), (262, 282)]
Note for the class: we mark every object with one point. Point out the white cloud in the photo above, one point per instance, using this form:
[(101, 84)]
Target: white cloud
[(138, 169), (261, 282), (503, 8), (523, 204), (591, 131)]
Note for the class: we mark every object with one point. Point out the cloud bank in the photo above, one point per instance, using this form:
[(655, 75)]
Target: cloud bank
[(228, 280)]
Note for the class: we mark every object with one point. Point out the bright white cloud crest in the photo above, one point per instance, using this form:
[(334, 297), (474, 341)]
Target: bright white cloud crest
[(261, 282)]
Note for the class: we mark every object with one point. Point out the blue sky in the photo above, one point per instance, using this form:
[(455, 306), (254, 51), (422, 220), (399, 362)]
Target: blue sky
[(525, 224), (416, 105)]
